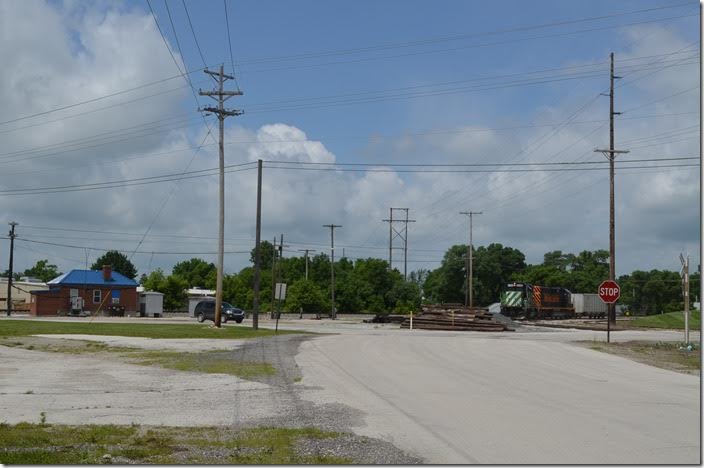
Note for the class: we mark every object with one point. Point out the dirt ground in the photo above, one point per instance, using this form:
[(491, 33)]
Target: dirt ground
[(665, 355)]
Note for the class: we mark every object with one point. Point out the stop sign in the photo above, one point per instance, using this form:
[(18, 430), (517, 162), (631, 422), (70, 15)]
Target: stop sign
[(609, 291)]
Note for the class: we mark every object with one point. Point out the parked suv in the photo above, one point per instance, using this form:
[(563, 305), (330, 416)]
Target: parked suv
[(205, 310)]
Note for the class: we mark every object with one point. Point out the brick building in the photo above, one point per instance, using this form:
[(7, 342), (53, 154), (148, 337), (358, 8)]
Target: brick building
[(86, 290)]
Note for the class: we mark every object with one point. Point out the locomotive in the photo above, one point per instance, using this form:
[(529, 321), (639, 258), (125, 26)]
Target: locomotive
[(530, 301)]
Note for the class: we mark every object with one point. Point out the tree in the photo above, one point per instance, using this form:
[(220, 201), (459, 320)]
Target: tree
[(493, 267), (197, 272), (305, 295), (174, 292), (43, 270), (119, 263), (266, 254)]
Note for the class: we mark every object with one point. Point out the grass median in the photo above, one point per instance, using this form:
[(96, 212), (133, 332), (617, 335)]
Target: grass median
[(10, 328), (26, 443), (672, 321), (663, 354)]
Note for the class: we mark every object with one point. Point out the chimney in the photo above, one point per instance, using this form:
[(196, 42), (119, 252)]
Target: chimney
[(107, 272)]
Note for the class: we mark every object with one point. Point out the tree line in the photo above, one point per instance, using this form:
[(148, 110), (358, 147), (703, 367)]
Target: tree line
[(368, 285)]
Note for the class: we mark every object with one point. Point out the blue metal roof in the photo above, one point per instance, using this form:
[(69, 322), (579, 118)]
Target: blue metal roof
[(93, 278)]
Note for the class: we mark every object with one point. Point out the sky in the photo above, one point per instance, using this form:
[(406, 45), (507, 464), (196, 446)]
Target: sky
[(355, 107)]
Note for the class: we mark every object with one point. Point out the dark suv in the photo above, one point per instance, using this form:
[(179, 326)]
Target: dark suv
[(205, 310)]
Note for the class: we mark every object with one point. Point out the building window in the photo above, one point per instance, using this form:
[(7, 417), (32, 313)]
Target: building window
[(97, 296)]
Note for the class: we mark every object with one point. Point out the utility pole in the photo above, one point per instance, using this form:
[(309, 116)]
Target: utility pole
[(469, 294), (610, 154), (273, 279), (306, 257), (300, 315), (278, 277), (402, 233), (9, 278), (333, 313), (220, 95), (257, 250), (685, 293)]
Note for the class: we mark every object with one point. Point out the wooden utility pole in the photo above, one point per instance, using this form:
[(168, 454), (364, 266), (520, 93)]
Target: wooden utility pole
[(273, 279), (220, 95), (333, 312), (685, 294), (306, 257), (10, 270), (257, 250), (469, 294), (611, 156)]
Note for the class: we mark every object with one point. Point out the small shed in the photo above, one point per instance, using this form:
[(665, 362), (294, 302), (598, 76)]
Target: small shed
[(151, 304)]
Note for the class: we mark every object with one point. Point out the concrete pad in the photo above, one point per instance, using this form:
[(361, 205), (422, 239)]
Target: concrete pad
[(80, 390), (512, 401)]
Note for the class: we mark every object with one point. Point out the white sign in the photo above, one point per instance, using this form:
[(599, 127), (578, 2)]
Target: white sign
[(280, 292)]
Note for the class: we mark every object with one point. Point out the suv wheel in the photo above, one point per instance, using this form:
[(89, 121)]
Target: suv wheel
[(238, 320), (200, 317)]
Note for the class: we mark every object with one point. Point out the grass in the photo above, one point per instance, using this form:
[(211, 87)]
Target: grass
[(211, 362), (663, 354), (672, 320), (10, 328), (26, 443)]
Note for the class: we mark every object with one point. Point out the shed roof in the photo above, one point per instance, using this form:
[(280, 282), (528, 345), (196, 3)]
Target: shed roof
[(93, 278)]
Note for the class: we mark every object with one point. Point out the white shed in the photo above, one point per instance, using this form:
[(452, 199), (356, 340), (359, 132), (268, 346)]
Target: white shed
[(151, 304)]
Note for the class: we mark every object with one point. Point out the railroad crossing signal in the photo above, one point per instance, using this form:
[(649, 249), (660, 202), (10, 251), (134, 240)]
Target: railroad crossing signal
[(609, 291)]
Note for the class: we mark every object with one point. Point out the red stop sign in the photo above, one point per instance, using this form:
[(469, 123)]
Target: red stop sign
[(609, 291)]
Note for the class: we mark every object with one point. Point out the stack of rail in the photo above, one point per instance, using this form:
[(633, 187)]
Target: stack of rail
[(455, 317)]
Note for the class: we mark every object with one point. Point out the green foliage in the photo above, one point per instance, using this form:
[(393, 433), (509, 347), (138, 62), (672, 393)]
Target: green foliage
[(43, 270), (197, 272), (652, 292), (119, 263), (306, 295), (266, 254), (173, 287)]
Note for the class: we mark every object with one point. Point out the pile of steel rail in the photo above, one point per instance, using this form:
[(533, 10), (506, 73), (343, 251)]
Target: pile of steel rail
[(455, 317)]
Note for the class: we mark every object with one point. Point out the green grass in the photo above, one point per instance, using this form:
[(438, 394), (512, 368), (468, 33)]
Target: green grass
[(10, 328), (26, 443), (672, 320), (212, 362)]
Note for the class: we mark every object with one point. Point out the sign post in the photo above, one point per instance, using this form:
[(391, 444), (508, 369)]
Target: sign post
[(279, 295), (609, 291)]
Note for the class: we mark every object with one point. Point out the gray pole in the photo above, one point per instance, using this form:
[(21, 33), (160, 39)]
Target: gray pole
[(9, 278), (686, 301), (405, 249), (611, 156), (469, 295), (273, 279), (391, 220), (332, 227), (257, 250), (220, 95)]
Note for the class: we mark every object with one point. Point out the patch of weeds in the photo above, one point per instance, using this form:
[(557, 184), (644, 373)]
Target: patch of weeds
[(297, 379), (211, 362), (42, 417), (29, 392)]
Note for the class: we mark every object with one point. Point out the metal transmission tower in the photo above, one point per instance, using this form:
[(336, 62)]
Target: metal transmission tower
[(9, 276), (400, 233), (469, 294), (611, 156), (220, 95), (333, 312)]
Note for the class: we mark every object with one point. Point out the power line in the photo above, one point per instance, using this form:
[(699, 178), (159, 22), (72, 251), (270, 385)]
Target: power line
[(229, 43), (434, 51), (195, 39), (453, 37), (56, 244)]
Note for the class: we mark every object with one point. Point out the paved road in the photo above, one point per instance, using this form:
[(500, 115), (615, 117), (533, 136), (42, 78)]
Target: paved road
[(468, 399)]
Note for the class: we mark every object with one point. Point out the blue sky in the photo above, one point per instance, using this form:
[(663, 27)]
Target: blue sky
[(315, 56)]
